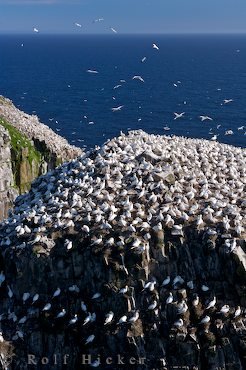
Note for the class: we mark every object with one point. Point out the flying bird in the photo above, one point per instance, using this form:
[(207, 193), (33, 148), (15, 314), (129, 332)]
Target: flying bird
[(138, 78), (35, 30), (77, 24), (206, 118), (143, 59), (155, 47), (178, 115), (92, 71), (227, 101), (116, 109), (112, 29)]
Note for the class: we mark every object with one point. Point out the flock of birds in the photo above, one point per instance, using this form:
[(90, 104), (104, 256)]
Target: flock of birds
[(214, 132), (115, 197)]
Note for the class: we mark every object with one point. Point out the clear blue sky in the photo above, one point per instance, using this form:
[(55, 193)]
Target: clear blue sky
[(126, 16)]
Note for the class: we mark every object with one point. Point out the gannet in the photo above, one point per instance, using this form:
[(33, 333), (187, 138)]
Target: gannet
[(61, 314), (178, 323), (47, 307), (226, 101), (166, 281), (109, 317), (122, 320), (90, 339), (116, 109), (92, 71), (205, 320), (178, 115), (206, 118), (57, 293), (211, 304), (138, 78), (169, 298), (135, 317), (155, 46), (73, 320)]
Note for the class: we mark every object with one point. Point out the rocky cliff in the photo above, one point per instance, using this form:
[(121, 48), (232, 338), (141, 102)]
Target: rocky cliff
[(27, 149), (132, 256)]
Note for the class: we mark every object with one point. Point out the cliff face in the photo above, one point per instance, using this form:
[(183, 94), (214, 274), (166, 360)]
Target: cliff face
[(133, 255), (29, 149), (7, 190)]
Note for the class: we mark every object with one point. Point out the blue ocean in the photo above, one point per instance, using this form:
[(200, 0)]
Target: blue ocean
[(47, 75)]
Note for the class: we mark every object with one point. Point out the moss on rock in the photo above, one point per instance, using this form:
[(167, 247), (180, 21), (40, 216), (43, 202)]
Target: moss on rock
[(26, 160)]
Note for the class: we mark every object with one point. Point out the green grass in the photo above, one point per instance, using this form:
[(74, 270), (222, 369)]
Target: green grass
[(18, 142)]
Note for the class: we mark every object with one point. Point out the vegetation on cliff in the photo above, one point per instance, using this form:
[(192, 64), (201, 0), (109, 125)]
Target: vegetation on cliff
[(26, 160)]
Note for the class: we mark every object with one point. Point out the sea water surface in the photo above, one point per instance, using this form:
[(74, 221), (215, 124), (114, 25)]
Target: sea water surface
[(47, 76)]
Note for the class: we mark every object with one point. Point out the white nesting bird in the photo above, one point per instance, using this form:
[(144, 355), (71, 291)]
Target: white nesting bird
[(238, 311), (68, 244), (10, 292), (96, 295), (74, 288), (35, 298), (205, 320), (61, 314), (190, 284), (179, 323), (152, 306), (25, 296), (123, 290), (87, 319), (57, 293), (95, 363), (85, 228), (211, 304), (22, 320), (169, 298), (73, 320), (204, 288), (122, 320), (195, 301), (166, 281), (47, 307), (83, 306), (135, 317), (150, 285), (225, 309), (90, 339), (109, 317)]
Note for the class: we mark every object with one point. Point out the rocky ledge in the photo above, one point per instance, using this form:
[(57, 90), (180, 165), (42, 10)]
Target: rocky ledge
[(28, 149), (132, 256)]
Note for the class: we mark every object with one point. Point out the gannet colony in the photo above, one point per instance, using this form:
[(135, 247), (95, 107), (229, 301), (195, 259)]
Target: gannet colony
[(131, 256)]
